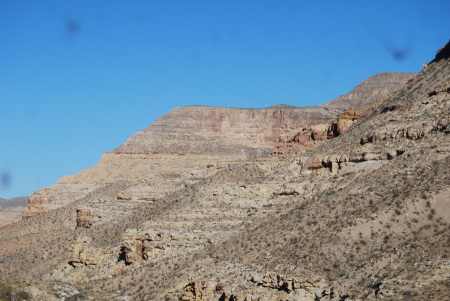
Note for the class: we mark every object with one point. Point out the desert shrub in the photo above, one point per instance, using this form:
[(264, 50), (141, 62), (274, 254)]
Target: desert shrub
[(10, 292), (76, 297), (21, 295)]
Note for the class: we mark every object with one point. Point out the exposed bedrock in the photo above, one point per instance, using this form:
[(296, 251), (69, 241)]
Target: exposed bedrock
[(190, 143)]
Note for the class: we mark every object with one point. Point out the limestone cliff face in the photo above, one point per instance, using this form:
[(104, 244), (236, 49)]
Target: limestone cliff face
[(55, 196), (186, 144), (225, 131), (190, 143), (363, 216)]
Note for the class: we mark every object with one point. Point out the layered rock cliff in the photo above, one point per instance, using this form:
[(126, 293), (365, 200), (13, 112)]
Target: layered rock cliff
[(189, 143), (246, 133), (362, 216), (181, 147)]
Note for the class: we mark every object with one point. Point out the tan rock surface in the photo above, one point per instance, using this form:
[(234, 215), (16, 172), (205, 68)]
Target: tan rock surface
[(343, 220), (165, 154)]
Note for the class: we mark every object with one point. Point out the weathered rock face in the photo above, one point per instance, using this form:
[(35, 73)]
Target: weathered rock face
[(135, 247), (323, 131), (82, 254), (298, 140), (53, 197), (139, 246), (271, 286), (202, 290), (178, 149), (161, 158), (228, 131), (343, 220), (343, 123), (412, 128), (86, 217)]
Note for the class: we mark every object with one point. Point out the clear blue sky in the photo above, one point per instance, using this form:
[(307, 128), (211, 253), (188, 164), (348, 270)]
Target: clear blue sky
[(77, 78)]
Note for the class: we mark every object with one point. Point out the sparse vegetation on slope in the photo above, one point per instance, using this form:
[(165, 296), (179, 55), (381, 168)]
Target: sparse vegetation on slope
[(362, 216)]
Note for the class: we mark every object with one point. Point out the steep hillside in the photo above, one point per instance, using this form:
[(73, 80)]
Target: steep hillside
[(192, 142), (371, 90), (362, 216)]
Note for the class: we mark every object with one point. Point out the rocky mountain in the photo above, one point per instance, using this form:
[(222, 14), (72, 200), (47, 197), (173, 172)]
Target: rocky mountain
[(189, 143), (357, 214)]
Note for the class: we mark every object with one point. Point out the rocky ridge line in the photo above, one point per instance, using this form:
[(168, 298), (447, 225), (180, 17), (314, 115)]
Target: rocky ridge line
[(189, 143)]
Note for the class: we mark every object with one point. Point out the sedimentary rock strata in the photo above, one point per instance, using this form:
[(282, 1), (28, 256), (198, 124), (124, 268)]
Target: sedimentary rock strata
[(53, 197), (165, 154), (340, 220), (82, 254), (86, 217)]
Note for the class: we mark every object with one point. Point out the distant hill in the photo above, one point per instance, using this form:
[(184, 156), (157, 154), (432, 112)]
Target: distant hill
[(371, 90), (12, 210), (12, 204)]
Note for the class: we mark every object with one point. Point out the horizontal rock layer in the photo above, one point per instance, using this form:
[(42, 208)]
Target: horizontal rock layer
[(352, 218), (189, 143)]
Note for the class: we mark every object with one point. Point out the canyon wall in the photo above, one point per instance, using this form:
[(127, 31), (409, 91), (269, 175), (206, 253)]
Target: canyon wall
[(190, 143), (363, 216)]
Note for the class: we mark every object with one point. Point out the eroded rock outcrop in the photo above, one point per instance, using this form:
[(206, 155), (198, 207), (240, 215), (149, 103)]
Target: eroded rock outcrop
[(203, 290), (82, 254), (297, 141), (187, 138), (343, 221), (135, 247), (413, 131), (323, 131), (343, 123), (86, 217), (139, 246), (335, 163), (53, 197), (271, 286)]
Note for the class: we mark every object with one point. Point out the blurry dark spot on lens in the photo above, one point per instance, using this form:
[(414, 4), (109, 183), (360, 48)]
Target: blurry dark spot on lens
[(5, 179), (71, 26), (399, 54)]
